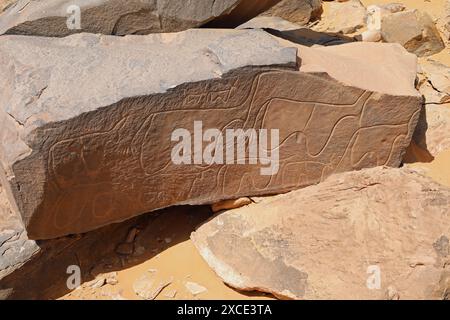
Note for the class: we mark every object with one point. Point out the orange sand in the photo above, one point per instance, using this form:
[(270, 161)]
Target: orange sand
[(438, 169)]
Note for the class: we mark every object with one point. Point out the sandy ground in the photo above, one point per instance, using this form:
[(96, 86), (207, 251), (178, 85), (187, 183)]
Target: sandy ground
[(171, 256), (433, 7), (182, 264)]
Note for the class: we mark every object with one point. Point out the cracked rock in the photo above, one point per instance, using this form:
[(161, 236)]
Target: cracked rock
[(81, 151), (330, 240), (59, 18)]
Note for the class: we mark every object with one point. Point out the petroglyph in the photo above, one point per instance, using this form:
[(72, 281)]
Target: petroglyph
[(114, 162)]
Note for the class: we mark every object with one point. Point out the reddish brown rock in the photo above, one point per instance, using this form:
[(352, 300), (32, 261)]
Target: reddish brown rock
[(81, 150), (374, 234), (297, 11), (413, 29)]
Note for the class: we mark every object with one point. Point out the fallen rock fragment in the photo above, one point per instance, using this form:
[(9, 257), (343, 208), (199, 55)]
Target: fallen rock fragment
[(15, 247), (194, 288), (300, 12), (109, 151), (59, 18), (444, 22), (148, 287), (230, 204), (413, 29), (276, 23), (432, 132), (343, 17), (330, 240)]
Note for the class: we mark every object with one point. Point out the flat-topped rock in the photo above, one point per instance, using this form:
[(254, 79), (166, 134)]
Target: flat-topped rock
[(373, 234), (58, 18), (110, 128), (297, 11)]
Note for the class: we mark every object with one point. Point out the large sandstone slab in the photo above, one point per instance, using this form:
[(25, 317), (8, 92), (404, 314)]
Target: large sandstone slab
[(86, 135), (374, 234), (43, 269), (118, 17)]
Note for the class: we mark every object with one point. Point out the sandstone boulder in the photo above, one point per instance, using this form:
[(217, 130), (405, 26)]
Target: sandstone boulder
[(15, 247), (297, 11), (343, 17), (432, 131), (413, 29), (98, 133), (58, 18), (374, 234)]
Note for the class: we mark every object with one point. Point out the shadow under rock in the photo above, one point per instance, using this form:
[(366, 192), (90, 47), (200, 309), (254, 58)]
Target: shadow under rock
[(45, 275), (308, 37)]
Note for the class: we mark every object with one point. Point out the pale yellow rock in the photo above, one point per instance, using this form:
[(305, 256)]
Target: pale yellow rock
[(230, 204), (343, 17)]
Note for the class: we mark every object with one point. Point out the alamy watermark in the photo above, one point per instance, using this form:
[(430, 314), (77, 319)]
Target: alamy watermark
[(234, 146), (73, 21), (374, 280), (74, 279)]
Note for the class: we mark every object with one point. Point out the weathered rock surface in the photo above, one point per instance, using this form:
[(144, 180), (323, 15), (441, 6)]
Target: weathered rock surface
[(297, 11), (432, 131), (78, 159), (332, 240), (343, 17), (118, 17), (413, 29), (15, 247)]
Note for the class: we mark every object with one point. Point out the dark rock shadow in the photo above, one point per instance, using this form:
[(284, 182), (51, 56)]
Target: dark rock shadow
[(44, 276), (308, 37), (418, 149)]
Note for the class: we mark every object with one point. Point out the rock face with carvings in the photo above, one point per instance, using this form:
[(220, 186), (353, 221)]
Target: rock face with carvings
[(121, 124), (58, 18), (374, 234), (343, 17)]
